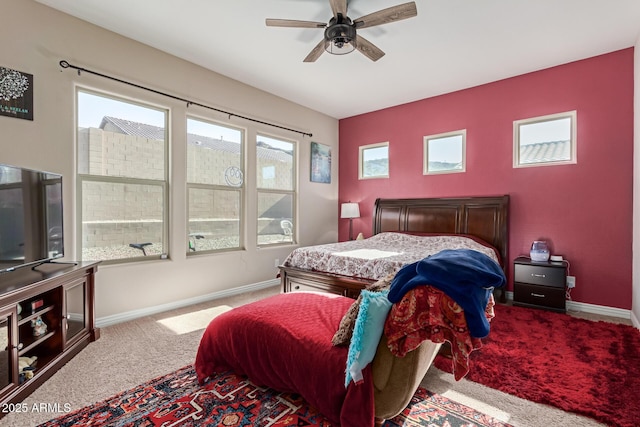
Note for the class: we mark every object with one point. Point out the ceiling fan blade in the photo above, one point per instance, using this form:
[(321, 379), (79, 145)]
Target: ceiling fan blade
[(338, 6), (294, 23), (368, 49), (315, 52), (385, 16)]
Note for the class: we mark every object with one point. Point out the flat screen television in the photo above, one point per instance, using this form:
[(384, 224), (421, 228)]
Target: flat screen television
[(30, 217)]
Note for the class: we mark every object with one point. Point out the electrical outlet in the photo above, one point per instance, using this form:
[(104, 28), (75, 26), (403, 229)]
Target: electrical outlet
[(571, 282), (276, 263)]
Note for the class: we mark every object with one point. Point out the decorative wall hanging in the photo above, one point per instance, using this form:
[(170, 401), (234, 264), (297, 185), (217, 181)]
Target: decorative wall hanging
[(320, 163), (16, 94)]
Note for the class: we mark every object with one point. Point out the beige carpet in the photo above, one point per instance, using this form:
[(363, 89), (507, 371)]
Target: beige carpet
[(132, 353)]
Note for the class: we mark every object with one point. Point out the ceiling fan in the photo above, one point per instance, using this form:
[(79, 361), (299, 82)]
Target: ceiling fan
[(340, 35)]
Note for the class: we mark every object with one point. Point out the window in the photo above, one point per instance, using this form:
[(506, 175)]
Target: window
[(215, 185), (445, 152), (276, 185), (547, 140), (122, 178), (373, 161)]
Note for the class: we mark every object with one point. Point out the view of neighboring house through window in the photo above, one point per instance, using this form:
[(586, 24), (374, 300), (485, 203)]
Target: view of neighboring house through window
[(276, 184), (445, 152), (215, 185), (546, 140), (373, 161), (122, 178)]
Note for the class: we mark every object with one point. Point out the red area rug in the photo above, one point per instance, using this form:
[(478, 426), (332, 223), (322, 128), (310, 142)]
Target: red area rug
[(233, 401), (589, 368)]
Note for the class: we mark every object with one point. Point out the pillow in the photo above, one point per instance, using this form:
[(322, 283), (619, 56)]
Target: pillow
[(367, 331), (342, 337)]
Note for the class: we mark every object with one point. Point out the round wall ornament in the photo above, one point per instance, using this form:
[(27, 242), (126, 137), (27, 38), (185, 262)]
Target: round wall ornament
[(233, 176), (13, 84)]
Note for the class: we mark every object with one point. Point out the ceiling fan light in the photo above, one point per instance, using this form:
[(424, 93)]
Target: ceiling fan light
[(340, 37), (339, 46)]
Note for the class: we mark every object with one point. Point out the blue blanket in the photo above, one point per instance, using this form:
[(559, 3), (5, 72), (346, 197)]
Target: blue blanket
[(466, 276)]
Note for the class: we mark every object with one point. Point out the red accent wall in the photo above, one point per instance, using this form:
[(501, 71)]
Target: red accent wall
[(583, 210)]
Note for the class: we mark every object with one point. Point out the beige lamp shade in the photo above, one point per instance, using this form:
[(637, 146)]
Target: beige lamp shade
[(350, 210)]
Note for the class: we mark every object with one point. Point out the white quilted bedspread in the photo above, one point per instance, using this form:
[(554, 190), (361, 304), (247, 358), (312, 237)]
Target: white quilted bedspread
[(379, 255)]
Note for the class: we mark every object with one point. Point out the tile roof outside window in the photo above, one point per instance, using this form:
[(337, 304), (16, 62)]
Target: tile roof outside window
[(128, 127), (544, 152)]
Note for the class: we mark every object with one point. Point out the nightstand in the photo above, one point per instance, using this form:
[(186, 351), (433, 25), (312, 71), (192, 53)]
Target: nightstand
[(539, 284)]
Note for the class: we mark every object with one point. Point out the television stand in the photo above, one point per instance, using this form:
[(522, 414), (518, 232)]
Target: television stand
[(52, 261), (47, 316)]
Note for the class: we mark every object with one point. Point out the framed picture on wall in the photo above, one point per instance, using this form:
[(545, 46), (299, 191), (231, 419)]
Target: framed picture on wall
[(16, 94), (320, 163)]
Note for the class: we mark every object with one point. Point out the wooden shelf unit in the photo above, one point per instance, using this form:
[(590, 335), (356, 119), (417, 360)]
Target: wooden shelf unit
[(60, 294)]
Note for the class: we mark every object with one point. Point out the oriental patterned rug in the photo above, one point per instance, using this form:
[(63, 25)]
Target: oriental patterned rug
[(230, 400), (580, 366)]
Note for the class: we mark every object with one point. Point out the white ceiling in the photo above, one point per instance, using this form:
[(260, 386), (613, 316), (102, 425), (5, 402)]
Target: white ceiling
[(450, 45)]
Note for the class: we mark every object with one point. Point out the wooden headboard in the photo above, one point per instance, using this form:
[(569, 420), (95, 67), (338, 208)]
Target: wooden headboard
[(483, 217)]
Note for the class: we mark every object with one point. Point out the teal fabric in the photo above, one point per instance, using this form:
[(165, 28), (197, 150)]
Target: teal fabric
[(367, 331)]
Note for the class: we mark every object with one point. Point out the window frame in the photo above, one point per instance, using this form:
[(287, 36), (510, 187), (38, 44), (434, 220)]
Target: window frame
[(241, 190), (425, 152), (277, 191), (81, 178), (573, 141), (361, 151)]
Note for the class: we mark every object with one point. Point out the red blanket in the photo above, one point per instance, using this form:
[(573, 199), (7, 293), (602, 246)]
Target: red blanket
[(284, 342)]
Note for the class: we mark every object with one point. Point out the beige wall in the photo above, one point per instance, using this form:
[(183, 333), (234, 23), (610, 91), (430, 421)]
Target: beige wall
[(35, 38), (635, 308)]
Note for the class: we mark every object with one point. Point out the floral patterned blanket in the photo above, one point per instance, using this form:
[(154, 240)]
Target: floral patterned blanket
[(427, 313), (380, 255)]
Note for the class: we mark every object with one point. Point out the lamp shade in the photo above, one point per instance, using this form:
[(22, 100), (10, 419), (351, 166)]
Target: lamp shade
[(350, 210)]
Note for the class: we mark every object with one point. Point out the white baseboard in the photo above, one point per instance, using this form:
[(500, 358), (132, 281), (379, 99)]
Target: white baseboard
[(634, 320), (135, 314), (599, 309), (592, 308), (147, 311)]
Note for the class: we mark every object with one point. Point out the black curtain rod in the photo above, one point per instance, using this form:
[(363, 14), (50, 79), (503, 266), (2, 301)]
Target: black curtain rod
[(65, 64)]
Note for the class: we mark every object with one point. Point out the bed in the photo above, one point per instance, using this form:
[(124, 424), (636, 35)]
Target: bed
[(482, 218), (286, 342)]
